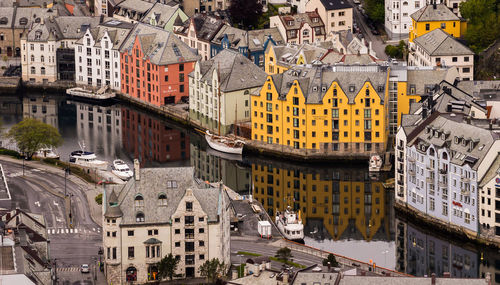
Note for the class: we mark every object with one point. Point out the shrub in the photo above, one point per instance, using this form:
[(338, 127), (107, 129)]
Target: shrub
[(98, 199)]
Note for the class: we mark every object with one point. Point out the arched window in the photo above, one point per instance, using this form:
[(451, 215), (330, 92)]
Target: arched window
[(42, 58), (162, 199), (246, 92), (305, 33), (431, 151), (139, 217), (335, 92), (131, 274), (444, 155), (33, 70), (32, 58), (139, 200), (23, 21), (367, 92), (42, 70), (405, 3)]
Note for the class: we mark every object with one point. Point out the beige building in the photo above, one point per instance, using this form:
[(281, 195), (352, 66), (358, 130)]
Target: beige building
[(336, 14), (300, 28), (438, 48), (158, 212), (192, 7)]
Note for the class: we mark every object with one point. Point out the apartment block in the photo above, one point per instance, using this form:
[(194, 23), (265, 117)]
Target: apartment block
[(300, 28), (337, 15), (436, 16)]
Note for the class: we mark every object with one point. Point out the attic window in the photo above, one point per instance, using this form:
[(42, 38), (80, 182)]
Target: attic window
[(290, 23), (162, 199), (4, 21), (427, 129), (23, 21), (171, 184), (139, 200), (139, 217), (436, 134), (323, 88), (351, 88), (380, 88), (471, 146), (443, 136), (464, 142), (481, 147), (315, 88), (456, 140)]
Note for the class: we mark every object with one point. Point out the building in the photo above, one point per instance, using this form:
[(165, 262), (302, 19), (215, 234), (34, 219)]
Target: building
[(300, 28), (397, 22), (158, 212), (437, 48), (155, 65), (337, 15), (131, 10), (436, 16), (198, 33), (162, 142), (97, 54), (259, 40), (328, 109), (229, 37), (345, 42), (47, 50), (489, 189), (193, 7), (105, 7), (220, 88), (165, 16), (279, 59), (451, 153)]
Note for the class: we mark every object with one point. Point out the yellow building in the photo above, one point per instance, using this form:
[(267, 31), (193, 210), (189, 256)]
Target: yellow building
[(278, 59), (328, 109), (436, 16), (340, 199)]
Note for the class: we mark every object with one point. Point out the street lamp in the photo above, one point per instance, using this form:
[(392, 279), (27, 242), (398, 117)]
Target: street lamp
[(70, 215)]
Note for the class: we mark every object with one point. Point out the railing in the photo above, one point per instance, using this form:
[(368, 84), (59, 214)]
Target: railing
[(189, 236)]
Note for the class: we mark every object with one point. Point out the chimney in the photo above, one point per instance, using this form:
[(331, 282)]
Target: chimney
[(433, 278), (446, 275), (449, 108), (137, 170), (488, 278)]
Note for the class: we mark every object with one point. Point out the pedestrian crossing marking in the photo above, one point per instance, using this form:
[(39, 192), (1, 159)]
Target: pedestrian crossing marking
[(67, 269), (57, 231)]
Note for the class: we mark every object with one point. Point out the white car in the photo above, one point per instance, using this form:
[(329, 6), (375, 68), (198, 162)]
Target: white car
[(84, 268), (357, 2)]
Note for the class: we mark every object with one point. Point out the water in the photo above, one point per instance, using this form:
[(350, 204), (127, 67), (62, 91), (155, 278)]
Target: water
[(345, 209)]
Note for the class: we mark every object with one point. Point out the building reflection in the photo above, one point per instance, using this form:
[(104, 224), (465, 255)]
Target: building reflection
[(151, 139), (334, 203), (42, 108), (419, 254), (211, 166)]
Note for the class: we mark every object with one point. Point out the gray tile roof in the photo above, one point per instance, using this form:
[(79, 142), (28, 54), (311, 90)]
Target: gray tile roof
[(116, 29), (205, 26), (438, 42), (298, 20), (426, 78), (236, 71), (6, 17), (152, 183), (335, 4), (31, 16), (133, 9), (237, 37), (488, 90), (160, 46), (257, 38), (438, 12), (315, 80), (161, 13), (289, 54), (64, 27), (33, 3)]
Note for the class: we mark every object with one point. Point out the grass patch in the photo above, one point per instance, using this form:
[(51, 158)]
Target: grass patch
[(287, 262), (74, 170), (248, 253), (13, 153)]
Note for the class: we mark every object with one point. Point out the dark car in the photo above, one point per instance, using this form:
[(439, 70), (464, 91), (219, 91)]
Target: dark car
[(375, 32)]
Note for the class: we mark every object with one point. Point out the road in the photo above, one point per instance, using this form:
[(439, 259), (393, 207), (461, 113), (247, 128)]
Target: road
[(72, 243)]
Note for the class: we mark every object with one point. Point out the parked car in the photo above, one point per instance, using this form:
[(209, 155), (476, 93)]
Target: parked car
[(375, 32), (84, 268), (357, 2)]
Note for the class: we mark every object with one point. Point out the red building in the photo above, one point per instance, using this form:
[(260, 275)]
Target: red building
[(150, 139), (155, 65)]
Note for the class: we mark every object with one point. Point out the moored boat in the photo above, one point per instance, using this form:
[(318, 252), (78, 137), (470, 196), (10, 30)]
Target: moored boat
[(46, 153), (375, 163), (224, 144), (87, 159), (121, 169), (290, 225)]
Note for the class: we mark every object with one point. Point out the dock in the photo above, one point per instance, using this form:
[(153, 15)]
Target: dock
[(91, 93)]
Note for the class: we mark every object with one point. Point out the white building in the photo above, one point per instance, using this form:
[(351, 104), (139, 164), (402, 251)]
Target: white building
[(97, 54), (46, 48), (158, 212), (236, 77), (438, 48)]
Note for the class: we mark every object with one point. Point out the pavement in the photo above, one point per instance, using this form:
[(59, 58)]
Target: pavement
[(377, 44), (41, 190)]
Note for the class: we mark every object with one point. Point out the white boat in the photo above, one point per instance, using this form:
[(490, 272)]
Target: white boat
[(87, 159), (375, 163), (290, 225), (121, 169), (224, 144), (91, 93), (46, 153)]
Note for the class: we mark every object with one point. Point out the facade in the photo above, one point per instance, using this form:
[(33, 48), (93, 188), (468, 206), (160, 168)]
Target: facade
[(223, 85), (335, 113), (436, 16), (132, 10), (259, 40), (489, 204), (158, 212), (441, 160), (7, 41), (47, 51), (279, 59), (104, 7), (337, 15), (155, 65), (437, 48), (300, 28), (97, 54), (193, 7), (397, 16), (198, 33), (345, 42), (165, 16)]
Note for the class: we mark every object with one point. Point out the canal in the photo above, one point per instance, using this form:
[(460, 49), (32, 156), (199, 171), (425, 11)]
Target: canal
[(345, 209)]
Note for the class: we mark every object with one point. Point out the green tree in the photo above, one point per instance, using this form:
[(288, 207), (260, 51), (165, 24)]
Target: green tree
[(213, 269), (167, 266), (31, 135), (331, 258), (483, 23), (245, 12), (98, 199), (284, 254), (375, 10), (398, 51)]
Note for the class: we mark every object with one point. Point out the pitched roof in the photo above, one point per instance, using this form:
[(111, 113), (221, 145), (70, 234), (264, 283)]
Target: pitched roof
[(431, 13), (335, 4), (161, 13), (438, 42), (25, 16), (205, 26), (422, 78), (6, 17), (64, 27), (160, 46), (236, 71), (257, 38), (237, 37), (117, 31), (294, 22)]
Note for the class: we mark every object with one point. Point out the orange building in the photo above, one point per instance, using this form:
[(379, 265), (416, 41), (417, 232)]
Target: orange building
[(155, 65)]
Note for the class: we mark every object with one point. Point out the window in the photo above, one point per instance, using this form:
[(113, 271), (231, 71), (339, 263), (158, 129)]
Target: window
[(189, 220), (162, 199), (466, 58), (139, 200), (427, 27), (139, 217), (443, 25), (181, 67), (454, 59), (189, 206), (130, 252), (130, 233)]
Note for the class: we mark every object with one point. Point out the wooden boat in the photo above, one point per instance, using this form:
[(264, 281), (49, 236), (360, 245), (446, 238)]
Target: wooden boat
[(224, 144)]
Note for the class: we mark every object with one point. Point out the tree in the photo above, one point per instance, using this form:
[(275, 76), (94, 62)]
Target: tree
[(213, 269), (398, 51), (31, 135), (375, 10), (98, 199), (245, 12), (284, 254), (330, 259), (483, 23), (167, 266)]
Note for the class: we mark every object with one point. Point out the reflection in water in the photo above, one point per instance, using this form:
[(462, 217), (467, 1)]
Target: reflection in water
[(344, 210)]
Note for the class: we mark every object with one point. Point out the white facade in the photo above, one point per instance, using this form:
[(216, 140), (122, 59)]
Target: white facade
[(97, 64), (38, 61), (397, 16)]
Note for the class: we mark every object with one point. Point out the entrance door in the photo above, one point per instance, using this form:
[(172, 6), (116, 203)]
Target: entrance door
[(169, 100), (189, 272)]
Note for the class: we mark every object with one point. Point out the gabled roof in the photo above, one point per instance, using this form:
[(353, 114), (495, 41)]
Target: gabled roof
[(161, 13), (257, 38), (205, 26), (431, 13), (438, 42), (117, 31), (236, 37), (294, 22), (64, 27), (335, 4)]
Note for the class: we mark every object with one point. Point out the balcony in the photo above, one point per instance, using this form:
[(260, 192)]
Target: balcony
[(411, 172), (429, 180), (465, 192), (443, 171), (443, 183), (465, 179)]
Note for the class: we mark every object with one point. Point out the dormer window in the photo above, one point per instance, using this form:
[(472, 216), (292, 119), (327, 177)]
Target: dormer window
[(171, 184), (315, 88), (351, 88), (436, 134), (427, 129), (290, 23), (464, 142), (457, 141), (139, 217), (323, 88), (162, 199), (471, 146), (367, 91), (139, 200)]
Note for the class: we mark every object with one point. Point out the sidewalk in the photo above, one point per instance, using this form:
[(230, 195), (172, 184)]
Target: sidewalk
[(91, 189)]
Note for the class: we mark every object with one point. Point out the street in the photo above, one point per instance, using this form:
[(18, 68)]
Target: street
[(72, 241)]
